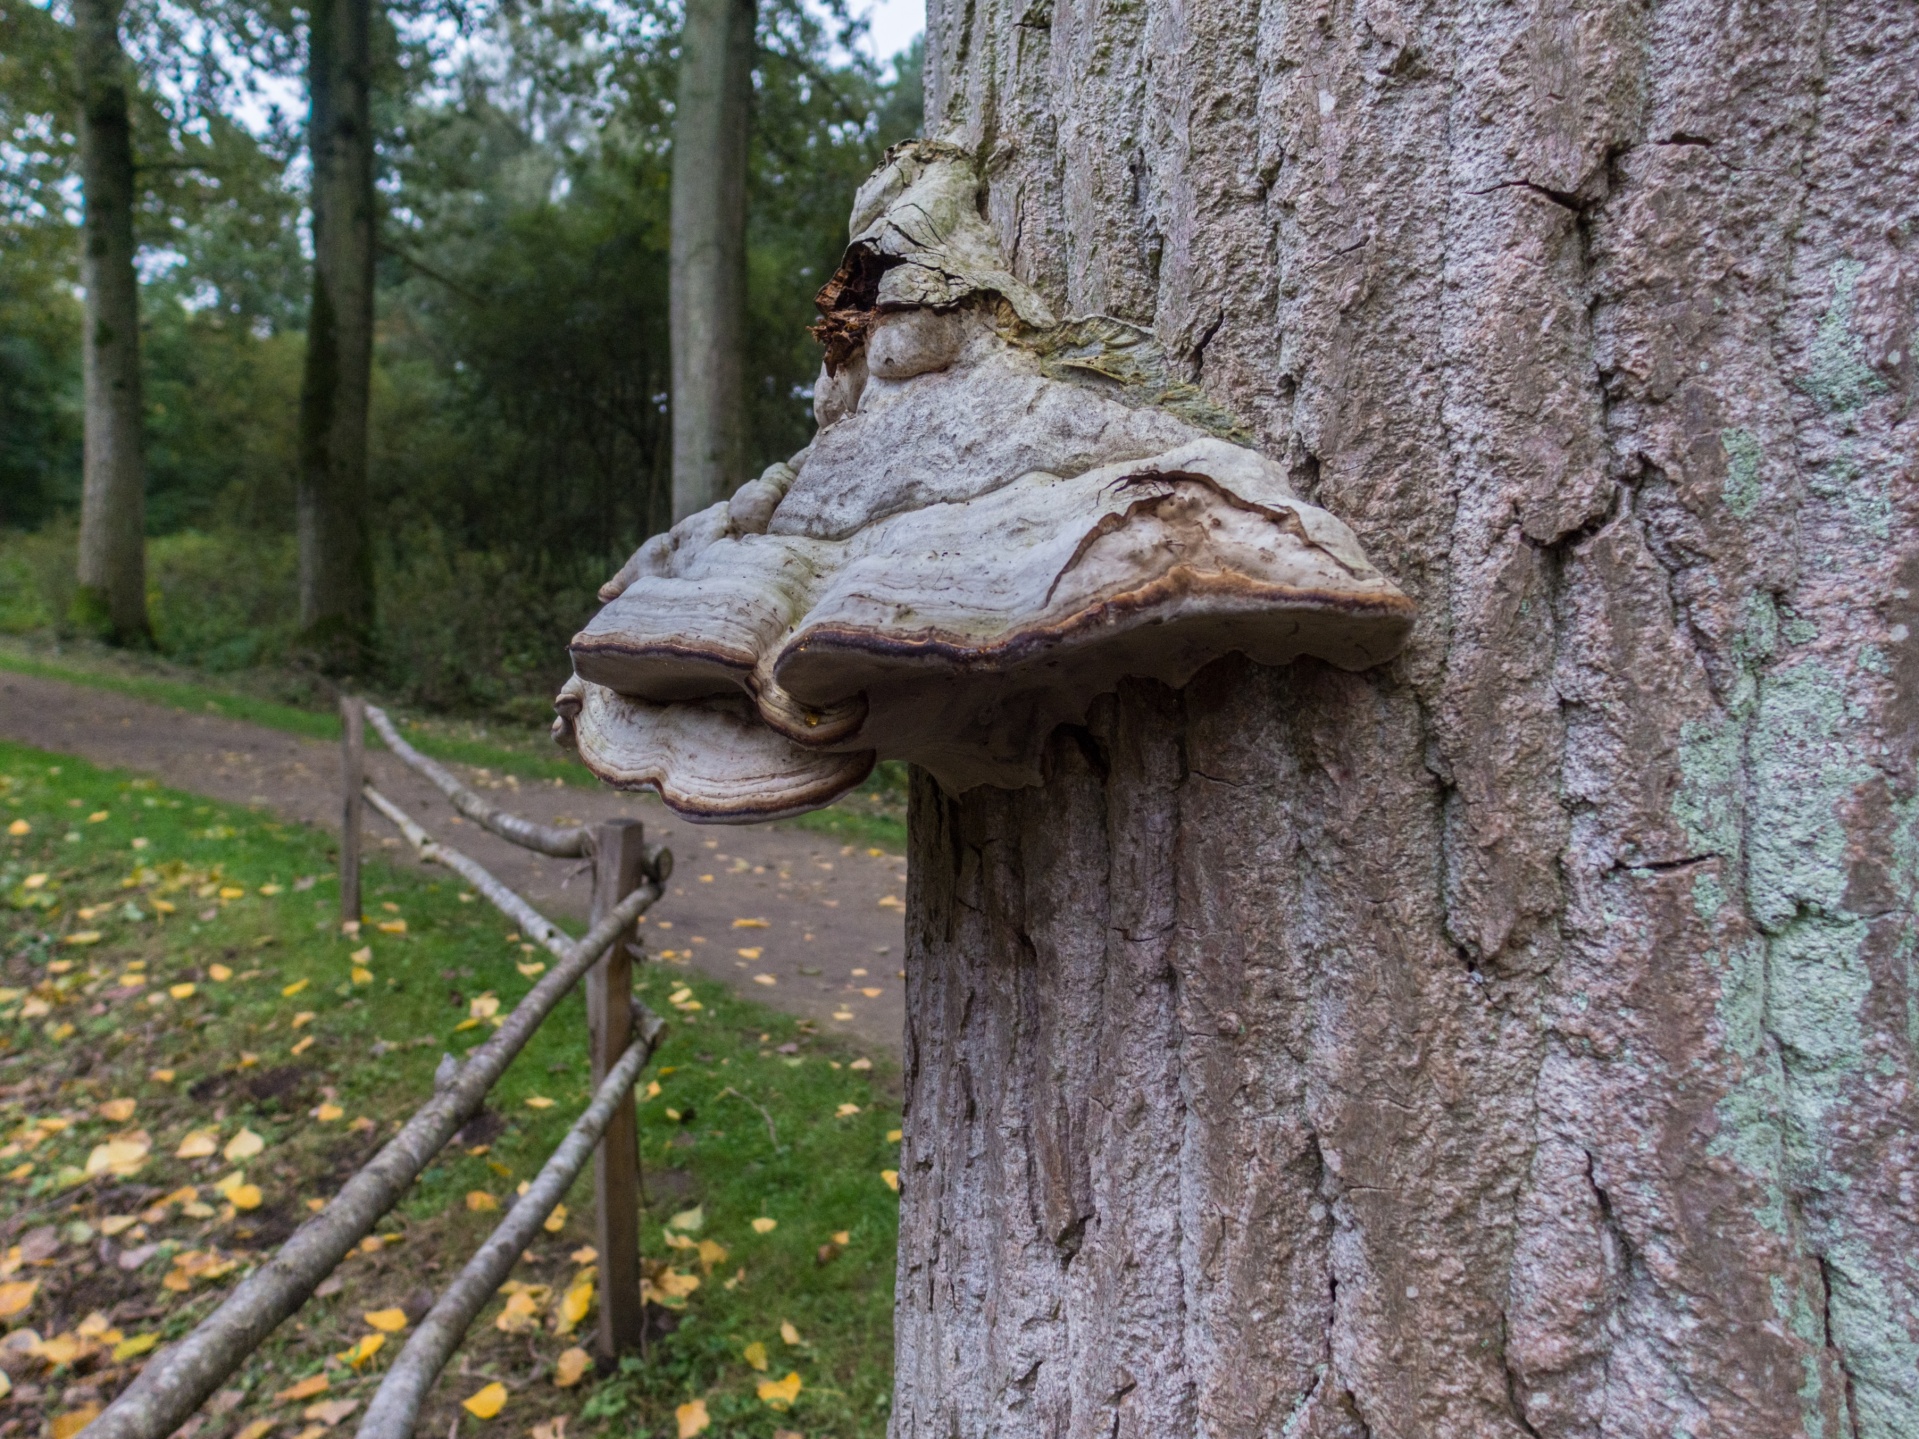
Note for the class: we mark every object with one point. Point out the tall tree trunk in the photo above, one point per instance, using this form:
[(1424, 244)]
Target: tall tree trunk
[(707, 279), (336, 560), (112, 596), (1519, 1039)]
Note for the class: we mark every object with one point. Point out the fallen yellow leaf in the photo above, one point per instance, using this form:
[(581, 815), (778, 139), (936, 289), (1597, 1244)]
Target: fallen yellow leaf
[(387, 1321), (556, 1221), (755, 1355), (269, 890), (183, 990), (711, 1254), (327, 1113), (692, 1417), (67, 1425), (199, 1144), (572, 1366), (161, 1076), (228, 891), (82, 936), (294, 988), (520, 1316), (872, 993), (538, 1101), (19, 826), (891, 1179), (332, 1411), (480, 1202), (575, 1305), (790, 1335), (359, 975), (243, 1145), (258, 1429), (120, 1157), (893, 1136), (398, 926), (305, 1389), (763, 1225), (691, 1220), (751, 952), (119, 1111), (219, 974), (537, 967), (846, 1111), (765, 979), (16, 1295), (133, 1347), (862, 1063), (779, 1394), (585, 1254), (750, 924), (244, 1196), (652, 1089), (97, 816), (302, 1019), (367, 1346), (490, 1400)]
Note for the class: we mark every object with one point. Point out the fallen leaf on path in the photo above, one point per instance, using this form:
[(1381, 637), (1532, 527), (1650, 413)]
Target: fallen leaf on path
[(554, 1428), (892, 901), (364, 1349), (520, 1316), (305, 1389), (387, 1321), (751, 952), (243, 1145), (779, 1394), (872, 993), (585, 1254), (66, 1425), (480, 1202), (490, 1400), (862, 1063), (119, 1111), (133, 1347), (120, 1157), (572, 1367), (200, 1144), (692, 1418), (750, 924), (331, 1411), (765, 979)]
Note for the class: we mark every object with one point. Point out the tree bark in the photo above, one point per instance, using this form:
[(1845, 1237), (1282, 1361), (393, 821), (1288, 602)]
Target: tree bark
[(112, 595), (1517, 1039), (707, 259), (336, 560)]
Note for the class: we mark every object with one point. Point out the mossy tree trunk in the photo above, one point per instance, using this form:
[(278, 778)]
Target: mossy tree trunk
[(1518, 1039), (112, 596), (336, 561), (707, 252)]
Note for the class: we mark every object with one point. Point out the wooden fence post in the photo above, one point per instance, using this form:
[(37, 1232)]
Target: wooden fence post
[(353, 755), (619, 867)]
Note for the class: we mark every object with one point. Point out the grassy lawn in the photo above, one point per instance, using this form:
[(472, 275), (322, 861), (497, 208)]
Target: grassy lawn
[(873, 814), (175, 981)]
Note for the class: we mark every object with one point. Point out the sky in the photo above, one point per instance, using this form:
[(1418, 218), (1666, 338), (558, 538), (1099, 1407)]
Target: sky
[(895, 23)]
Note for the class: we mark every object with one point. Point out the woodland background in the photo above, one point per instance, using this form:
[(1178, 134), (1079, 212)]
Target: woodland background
[(520, 442)]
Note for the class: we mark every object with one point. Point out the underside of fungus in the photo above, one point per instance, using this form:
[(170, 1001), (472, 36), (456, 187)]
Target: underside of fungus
[(1000, 517)]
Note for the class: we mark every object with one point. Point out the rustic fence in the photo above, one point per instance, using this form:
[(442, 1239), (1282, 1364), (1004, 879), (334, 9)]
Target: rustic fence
[(628, 876)]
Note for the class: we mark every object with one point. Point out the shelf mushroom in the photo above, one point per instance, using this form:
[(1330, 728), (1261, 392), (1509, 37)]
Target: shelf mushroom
[(1000, 517)]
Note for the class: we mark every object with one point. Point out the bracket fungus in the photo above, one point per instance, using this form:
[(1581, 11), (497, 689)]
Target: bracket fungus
[(1001, 515)]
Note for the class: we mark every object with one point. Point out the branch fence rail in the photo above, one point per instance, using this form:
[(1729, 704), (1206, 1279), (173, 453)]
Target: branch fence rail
[(629, 875)]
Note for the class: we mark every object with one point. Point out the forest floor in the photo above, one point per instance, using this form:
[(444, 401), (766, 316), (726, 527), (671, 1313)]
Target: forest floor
[(832, 944), (193, 1056)]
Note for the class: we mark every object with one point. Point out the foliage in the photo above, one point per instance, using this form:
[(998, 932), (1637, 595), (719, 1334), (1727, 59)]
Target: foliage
[(172, 970)]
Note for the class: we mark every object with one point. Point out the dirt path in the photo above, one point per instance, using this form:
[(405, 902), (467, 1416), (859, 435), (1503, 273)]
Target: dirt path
[(833, 938)]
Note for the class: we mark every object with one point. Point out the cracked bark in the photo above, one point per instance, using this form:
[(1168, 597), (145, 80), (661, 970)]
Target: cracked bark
[(1515, 1040)]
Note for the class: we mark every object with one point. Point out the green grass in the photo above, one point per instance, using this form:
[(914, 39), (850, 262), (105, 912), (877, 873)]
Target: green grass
[(242, 909), (874, 814)]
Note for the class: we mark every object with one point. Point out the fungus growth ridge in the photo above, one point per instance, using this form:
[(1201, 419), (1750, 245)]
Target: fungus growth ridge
[(1000, 517)]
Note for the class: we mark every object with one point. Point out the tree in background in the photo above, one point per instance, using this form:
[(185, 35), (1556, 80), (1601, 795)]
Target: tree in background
[(336, 558), (707, 282), (111, 599)]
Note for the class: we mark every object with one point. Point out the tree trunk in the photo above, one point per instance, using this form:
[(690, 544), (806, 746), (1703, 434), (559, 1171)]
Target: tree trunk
[(112, 595), (1518, 1039), (336, 561), (707, 309)]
